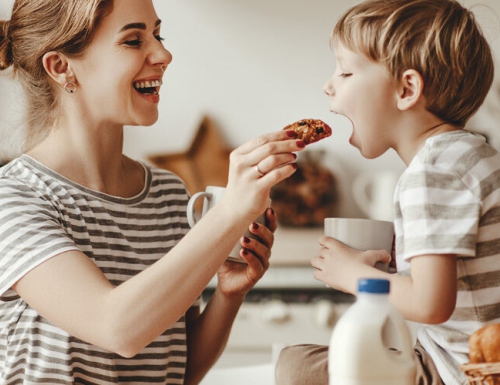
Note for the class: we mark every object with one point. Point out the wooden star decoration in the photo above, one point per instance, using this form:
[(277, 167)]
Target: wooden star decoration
[(205, 163)]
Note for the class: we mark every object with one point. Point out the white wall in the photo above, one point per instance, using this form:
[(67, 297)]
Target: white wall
[(253, 66)]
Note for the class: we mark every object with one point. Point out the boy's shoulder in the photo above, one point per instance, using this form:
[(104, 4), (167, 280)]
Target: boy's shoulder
[(456, 148)]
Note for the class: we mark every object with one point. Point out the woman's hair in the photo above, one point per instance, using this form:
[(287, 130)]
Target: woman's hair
[(438, 38), (35, 28)]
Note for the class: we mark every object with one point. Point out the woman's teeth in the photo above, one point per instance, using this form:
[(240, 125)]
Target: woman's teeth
[(148, 87)]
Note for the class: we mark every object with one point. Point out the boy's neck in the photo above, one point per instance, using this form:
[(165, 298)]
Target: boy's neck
[(408, 152)]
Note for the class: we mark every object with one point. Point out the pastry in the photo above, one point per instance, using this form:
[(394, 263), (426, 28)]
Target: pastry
[(310, 130), (484, 345)]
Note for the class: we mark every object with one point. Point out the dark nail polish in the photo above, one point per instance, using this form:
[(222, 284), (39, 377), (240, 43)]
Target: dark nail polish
[(301, 144), (246, 240), (255, 226), (291, 134)]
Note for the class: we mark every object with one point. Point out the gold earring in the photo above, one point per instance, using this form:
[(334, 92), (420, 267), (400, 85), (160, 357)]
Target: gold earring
[(70, 87)]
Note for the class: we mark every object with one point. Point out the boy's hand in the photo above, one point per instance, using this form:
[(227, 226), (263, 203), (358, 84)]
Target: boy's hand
[(339, 266)]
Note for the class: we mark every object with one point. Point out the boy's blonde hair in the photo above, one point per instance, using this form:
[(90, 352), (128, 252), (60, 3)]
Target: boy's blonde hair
[(438, 38), (35, 28)]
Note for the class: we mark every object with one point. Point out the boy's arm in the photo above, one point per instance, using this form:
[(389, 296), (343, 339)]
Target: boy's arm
[(427, 296)]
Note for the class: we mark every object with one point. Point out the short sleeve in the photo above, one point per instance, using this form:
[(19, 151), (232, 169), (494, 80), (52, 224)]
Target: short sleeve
[(31, 231), (438, 213)]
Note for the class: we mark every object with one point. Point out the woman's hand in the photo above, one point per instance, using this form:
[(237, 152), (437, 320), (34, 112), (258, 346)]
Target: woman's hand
[(255, 168), (238, 278), (339, 266)]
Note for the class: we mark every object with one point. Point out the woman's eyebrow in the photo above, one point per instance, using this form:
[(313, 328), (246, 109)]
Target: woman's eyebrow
[(138, 26)]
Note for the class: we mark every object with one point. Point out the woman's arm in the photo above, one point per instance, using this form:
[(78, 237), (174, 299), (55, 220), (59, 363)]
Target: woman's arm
[(208, 333), (72, 292)]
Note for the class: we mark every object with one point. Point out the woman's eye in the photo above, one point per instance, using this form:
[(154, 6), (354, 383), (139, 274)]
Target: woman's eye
[(159, 38), (133, 43), (344, 75)]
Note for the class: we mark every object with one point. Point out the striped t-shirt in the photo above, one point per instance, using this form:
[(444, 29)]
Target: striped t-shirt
[(43, 214), (448, 202)]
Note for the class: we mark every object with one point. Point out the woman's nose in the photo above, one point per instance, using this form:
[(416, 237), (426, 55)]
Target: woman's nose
[(160, 56)]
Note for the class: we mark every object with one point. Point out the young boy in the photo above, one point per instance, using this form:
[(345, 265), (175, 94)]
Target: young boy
[(409, 75)]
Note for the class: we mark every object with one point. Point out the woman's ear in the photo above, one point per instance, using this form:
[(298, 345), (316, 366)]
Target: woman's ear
[(58, 67), (410, 89)]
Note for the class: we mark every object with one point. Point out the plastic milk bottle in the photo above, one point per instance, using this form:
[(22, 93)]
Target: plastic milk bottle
[(371, 343)]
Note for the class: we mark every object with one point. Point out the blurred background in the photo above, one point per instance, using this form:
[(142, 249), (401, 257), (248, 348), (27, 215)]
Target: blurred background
[(242, 68), (251, 67)]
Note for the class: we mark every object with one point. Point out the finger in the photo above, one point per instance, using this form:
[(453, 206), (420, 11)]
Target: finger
[(280, 151), (261, 251), (382, 256), (256, 265), (275, 161), (279, 174), (263, 234), (271, 219), (315, 262), (264, 139), (332, 243)]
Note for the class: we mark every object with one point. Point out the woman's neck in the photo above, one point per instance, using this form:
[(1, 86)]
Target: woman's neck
[(92, 158)]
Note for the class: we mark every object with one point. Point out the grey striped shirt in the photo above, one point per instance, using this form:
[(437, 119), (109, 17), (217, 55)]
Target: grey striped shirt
[(42, 214), (448, 202)]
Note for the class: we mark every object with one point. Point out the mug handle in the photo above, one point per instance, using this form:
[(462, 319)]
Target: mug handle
[(359, 190), (190, 207)]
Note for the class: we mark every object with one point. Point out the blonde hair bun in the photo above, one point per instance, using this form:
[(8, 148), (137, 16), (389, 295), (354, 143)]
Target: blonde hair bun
[(5, 46)]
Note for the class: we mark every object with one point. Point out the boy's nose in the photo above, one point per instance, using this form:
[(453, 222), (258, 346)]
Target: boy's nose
[(328, 87)]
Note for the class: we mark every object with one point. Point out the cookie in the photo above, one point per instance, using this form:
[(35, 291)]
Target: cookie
[(310, 130)]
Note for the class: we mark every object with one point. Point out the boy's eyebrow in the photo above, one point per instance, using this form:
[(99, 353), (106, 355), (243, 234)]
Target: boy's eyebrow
[(138, 26)]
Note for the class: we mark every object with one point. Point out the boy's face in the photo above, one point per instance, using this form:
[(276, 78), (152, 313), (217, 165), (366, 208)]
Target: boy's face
[(363, 91)]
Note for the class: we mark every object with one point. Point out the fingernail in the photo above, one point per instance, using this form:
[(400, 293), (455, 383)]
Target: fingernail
[(301, 144), (294, 155), (255, 226), (291, 133), (246, 240), (244, 252), (272, 211)]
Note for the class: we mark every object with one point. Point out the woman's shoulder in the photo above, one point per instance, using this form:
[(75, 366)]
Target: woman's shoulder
[(16, 172)]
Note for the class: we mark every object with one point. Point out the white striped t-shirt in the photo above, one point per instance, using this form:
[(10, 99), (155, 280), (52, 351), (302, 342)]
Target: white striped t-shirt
[(43, 214), (448, 202)]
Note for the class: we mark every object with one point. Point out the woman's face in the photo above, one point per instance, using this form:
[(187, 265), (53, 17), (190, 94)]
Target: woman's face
[(119, 74)]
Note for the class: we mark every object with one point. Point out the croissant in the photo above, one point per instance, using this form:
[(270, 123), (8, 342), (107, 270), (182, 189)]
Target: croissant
[(484, 345)]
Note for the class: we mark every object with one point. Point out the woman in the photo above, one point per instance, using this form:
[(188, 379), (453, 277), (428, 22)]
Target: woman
[(99, 278)]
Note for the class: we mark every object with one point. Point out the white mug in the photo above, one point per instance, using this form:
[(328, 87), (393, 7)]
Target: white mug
[(212, 195), (374, 193), (362, 234)]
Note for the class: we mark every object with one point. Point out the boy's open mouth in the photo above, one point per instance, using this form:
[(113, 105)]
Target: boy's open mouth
[(148, 87)]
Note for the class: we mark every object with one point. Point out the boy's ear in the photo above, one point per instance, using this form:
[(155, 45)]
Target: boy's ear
[(410, 89), (58, 67)]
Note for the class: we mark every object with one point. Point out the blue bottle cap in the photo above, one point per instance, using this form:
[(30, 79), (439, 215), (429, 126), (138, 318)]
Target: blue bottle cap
[(373, 285)]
